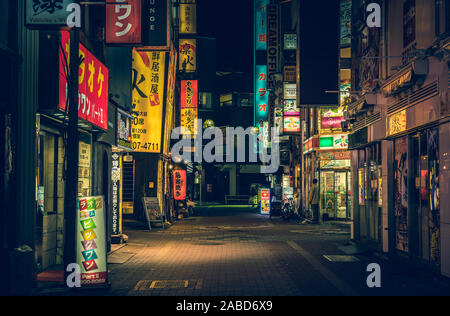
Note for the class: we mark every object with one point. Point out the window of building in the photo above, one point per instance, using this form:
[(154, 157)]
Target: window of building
[(205, 100), (47, 173)]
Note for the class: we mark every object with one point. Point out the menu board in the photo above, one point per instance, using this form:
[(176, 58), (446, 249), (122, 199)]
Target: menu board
[(84, 169), (91, 240)]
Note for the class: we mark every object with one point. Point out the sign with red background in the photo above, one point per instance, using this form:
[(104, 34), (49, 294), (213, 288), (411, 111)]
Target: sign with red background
[(93, 80), (124, 22), (189, 94), (179, 185)]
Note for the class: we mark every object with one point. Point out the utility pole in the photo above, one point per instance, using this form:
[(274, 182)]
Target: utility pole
[(72, 148)]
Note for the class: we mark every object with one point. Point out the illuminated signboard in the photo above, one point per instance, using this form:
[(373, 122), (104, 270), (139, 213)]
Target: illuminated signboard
[(116, 194), (261, 94), (188, 17), (290, 41), (189, 121), (334, 142), (179, 185), (290, 91), (147, 94), (93, 79), (331, 118), (291, 108), (188, 55), (291, 124), (396, 123), (91, 241), (123, 22), (124, 139), (261, 24), (265, 201), (189, 93)]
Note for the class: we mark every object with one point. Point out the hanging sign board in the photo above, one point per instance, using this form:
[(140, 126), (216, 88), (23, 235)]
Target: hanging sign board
[(179, 185), (148, 75), (93, 79), (46, 13), (123, 22)]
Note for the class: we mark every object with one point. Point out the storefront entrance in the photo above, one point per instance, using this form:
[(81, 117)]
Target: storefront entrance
[(335, 189), (426, 195)]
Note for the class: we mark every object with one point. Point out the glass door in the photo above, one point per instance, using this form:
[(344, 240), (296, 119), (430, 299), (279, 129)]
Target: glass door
[(401, 193), (328, 194), (341, 188)]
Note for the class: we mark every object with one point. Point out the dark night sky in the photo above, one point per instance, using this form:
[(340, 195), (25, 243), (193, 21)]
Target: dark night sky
[(231, 23)]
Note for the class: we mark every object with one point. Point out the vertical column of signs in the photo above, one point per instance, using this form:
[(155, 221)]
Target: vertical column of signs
[(91, 247), (188, 64), (261, 94)]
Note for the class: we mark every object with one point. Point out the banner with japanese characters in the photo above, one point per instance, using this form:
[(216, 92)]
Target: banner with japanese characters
[(116, 194), (261, 94), (188, 55), (148, 75), (261, 24), (189, 121), (124, 22), (189, 93), (188, 17), (93, 80), (91, 241), (179, 185)]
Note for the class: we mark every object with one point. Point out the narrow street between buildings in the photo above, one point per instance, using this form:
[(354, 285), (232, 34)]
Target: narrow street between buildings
[(234, 251)]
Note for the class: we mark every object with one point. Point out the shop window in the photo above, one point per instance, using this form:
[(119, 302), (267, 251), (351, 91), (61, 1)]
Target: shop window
[(47, 173)]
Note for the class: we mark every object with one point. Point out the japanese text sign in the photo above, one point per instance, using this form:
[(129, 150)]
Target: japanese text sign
[(189, 93), (188, 17), (179, 185), (261, 24), (148, 75), (189, 121), (91, 241), (93, 80), (188, 55), (123, 22), (47, 12), (261, 94), (292, 124)]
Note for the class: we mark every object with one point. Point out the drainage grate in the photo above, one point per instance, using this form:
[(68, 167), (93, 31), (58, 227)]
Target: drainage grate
[(169, 284), (341, 258), (148, 285)]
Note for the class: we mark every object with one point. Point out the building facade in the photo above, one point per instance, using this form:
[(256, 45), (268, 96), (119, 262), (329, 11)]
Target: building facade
[(399, 130)]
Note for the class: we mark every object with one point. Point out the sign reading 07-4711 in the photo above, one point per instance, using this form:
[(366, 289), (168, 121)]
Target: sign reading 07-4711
[(148, 78)]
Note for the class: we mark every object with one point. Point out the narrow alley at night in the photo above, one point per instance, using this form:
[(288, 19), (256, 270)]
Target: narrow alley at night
[(225, 155)]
